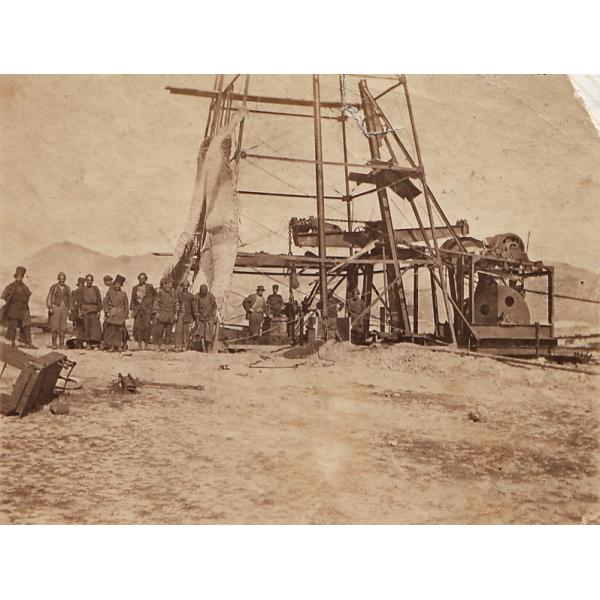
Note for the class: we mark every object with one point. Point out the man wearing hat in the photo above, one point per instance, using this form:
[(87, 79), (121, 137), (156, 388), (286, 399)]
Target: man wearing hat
[(75, 315), (16, 309), (142, 301), (165, 309), (255, 307), (58, 303), (116, 310), (90, 309), (275, 302)]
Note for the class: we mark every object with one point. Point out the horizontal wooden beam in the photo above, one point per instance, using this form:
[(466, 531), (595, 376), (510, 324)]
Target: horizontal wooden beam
[(255, 98)]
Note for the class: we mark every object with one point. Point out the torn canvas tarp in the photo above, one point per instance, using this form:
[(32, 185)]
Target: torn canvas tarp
[(210, 239)]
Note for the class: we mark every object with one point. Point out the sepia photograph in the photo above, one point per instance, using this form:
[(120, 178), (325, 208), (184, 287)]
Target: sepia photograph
[(300, 299)]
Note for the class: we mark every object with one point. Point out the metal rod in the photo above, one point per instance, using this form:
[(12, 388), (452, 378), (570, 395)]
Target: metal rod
[(320, 196), (393, 87), (279, 113), (285, 195), (306, 160)]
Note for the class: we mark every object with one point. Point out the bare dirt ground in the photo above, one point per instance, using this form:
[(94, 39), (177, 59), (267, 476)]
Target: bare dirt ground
[(351, 435)]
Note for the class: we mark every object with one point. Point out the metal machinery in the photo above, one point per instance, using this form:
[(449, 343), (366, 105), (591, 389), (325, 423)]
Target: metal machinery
[(477, 287)]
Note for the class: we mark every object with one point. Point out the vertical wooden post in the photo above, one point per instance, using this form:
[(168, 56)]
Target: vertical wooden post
[(320, 198), (434, 303), (551, 299), (416, 298)]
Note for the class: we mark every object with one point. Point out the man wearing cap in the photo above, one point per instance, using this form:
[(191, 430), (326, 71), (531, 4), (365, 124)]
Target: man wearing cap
[(205, 314), (165, 309), (142, 301), (185, 318), (58, 303), (255, 307), (90, 309), (75, 315), (275, 302), (116, 310), (16, 309)]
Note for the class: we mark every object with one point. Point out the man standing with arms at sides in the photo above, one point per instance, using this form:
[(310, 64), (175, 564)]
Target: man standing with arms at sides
[(58, 303), (142, 301), (75, 314), (90, 308), (185, 318), (108, 281), (255, 307), (205, 313), (116, 309), (356, 309), (16, 310), (165, 309), (275, 303), (330, 320)]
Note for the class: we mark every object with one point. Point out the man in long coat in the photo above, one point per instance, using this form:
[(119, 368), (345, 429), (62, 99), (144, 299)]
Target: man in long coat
[(255, 306), (90, 309), (15, 311), (185, 318), (165, 310), (58, 303), (116, 310), (75, 315), (142, 302), (205, 314)]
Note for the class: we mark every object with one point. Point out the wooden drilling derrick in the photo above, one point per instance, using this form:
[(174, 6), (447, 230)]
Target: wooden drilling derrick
[(455, 269)]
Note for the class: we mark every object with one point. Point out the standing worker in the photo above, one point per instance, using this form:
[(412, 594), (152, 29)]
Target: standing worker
[(16, 309), (356, 310), (185, 318), (205, 314), (90, 309), (58, 303), (330, 320), (165, 310), (75, 313), (255, 307), (142, 302), (275, 303), (116, 310)]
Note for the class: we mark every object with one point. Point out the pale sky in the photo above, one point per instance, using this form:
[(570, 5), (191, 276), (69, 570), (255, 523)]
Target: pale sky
[(109, 161)]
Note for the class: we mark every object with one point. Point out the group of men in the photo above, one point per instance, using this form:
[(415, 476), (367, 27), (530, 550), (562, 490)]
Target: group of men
[(260, 312), (171, 319)]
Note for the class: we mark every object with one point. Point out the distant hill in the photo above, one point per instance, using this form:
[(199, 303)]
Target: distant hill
[(77, 260)]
